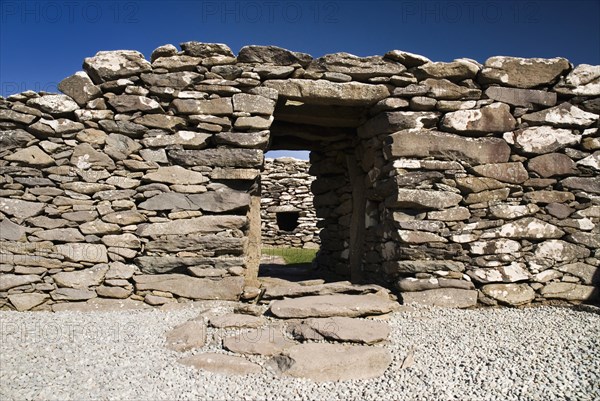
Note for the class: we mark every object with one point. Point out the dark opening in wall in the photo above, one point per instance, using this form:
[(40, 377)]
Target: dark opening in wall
[(287, 221)]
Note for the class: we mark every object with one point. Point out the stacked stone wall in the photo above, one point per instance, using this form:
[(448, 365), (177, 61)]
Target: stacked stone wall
[(452, 182), (286, 191)]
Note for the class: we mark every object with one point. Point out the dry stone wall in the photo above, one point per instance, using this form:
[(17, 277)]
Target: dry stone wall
[(454, 183), (288, 215)]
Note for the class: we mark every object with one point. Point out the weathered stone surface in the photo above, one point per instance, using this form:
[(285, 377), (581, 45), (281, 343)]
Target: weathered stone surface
[(33, 156), (451, 214), (443, 297), (332, 305), (267, 341), (161, 121), (255, 104), (11, 231), (19, 208), (26, 301), (426, 143), (54, 104), (113, 292), (553, 164), (187, 139), (592, 161), (442, 89), (293, 290), (493, 118), (511, 294), (206, 243), (502, 274), (216, 107), (457, 70), (175, 80), (359, 68), (119, 147), (388, 122), (186, 336), (495, 247), (11, 115), (544, 139), (407, 59), (477, 184), (570, 291), (8, 281), (177, 63), (561, 251), (420, 198), (548, 197), (584, 80), (418, 237), (521, 97), (422, 266), (220, 157), (80, 252), (193, 225), (82, 279), (228, 288), (61, 235), (80, 88), (133, 103), (509, 212), (348, 329), (326, 93), (99, 227), (272, 55), (112, 65), (565, 115), (175, 175), (72, 294), (125, 218), (522, 72), (588, 274), (18, 138), (587, 184), (56, 127), (332, 362), (236, 320), (169, 201), (85, 156), (221, 200), (513, 172), (411, 284), (221, 364), (529, 228), (252, 140)]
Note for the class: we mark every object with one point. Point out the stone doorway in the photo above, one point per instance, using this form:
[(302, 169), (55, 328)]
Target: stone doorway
[(329, 132)]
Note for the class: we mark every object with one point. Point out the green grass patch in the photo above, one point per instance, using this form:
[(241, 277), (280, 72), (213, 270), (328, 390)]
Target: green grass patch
[(292, 256)]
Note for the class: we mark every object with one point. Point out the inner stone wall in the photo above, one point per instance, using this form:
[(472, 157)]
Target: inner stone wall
[(286, 188), (454, 183)]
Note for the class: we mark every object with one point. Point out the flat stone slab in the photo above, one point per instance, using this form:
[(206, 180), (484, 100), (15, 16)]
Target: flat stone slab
[(347, 329), (100, 305), (332, 362), (222, 364), (294, 290), (236, 320), (268, 341), (332, 305), (187, 336), (443, 297)]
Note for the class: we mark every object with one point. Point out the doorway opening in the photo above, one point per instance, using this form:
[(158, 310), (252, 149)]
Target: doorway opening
[(337, 190)]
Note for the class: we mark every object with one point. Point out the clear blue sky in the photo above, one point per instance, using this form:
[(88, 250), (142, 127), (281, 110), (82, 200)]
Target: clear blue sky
[(42, 42)]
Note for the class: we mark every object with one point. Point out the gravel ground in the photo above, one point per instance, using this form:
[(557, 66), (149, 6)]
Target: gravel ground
[(543, 353)]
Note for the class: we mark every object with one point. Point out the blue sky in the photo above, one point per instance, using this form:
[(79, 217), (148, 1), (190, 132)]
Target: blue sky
[(42, 42)]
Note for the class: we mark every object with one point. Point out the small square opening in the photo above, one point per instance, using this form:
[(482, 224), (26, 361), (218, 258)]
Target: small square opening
[(287, 221)]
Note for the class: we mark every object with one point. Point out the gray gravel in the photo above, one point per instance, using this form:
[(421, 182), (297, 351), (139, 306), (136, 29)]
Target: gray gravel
[(487, 354)]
